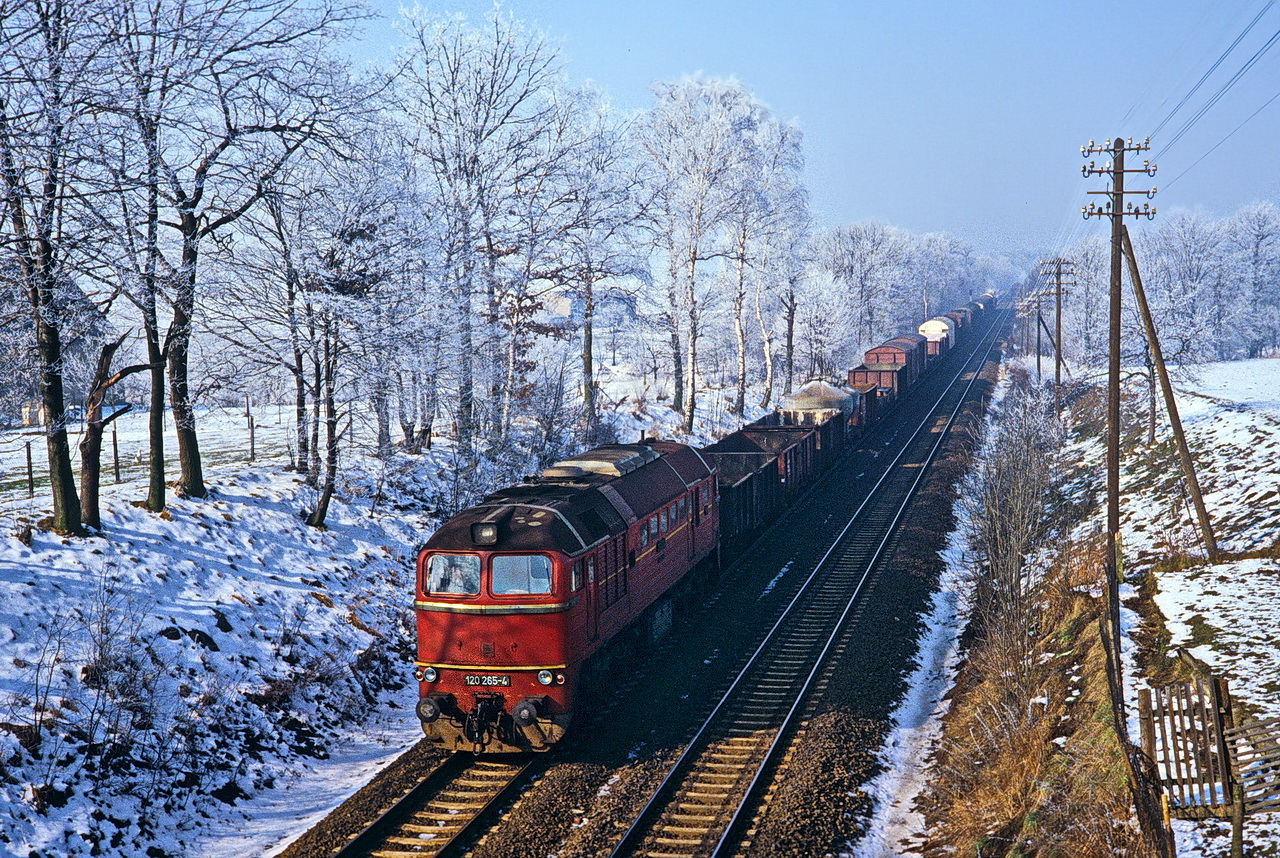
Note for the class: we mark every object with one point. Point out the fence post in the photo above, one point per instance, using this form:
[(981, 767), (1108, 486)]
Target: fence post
[(115, 450), (31, 474), (248, 415)]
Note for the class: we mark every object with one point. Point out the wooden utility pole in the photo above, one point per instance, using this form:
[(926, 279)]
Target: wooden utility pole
[(1116, 208)]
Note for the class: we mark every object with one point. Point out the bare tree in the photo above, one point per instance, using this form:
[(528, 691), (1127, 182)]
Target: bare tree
[(479, 98), (51, 63), (217, 95)]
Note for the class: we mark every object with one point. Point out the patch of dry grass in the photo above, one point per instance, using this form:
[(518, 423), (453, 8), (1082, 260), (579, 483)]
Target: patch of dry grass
[(1029, 764)]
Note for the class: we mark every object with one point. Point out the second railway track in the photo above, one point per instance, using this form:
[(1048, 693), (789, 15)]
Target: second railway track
[(706, 802)]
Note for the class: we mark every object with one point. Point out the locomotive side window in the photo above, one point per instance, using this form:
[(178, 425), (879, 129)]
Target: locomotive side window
[(653, 527), (575, 575), (644, 534), (519, 574), (453, 574)]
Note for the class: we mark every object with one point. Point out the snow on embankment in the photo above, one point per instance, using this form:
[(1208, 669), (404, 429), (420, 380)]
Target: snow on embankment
[(1227, 614), (205, 681)]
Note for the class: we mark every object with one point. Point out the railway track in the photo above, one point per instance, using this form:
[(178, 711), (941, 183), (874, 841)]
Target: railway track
[(706, 802), (444, 812)]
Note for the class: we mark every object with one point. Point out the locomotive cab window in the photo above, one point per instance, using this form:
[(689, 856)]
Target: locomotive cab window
[(453, 574), (520, 574)]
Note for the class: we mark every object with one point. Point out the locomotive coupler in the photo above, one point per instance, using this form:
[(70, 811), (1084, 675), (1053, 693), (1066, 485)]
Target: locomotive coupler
[(481, 722)]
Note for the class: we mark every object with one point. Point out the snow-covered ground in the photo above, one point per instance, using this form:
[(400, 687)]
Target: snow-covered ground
[(223, 628), (1227, 614)]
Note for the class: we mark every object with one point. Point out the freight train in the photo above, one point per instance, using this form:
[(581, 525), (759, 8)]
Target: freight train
[(523, 601)]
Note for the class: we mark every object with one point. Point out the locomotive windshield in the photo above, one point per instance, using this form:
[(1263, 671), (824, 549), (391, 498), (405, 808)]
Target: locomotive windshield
[(521, 574), (453, 574)]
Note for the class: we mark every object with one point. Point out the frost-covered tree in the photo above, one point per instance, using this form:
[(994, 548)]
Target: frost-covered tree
[(766, 210), (871, 261), (599, 246), (212, 99), (824, 321), (696, 136), (51, 67), (1253, 257), (481, 101)]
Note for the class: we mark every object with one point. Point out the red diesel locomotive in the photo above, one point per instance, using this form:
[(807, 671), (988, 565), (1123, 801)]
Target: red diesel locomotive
[(515, 596)]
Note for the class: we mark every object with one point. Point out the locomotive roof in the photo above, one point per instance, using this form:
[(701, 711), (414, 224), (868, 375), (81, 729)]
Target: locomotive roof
[(581, 501)]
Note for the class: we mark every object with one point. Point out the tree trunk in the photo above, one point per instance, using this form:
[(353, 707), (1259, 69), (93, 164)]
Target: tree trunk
[(291, 288), (427, 400), (589, 416), (465, 442), (766, 348), (91, 444), (300, 415), (691, 368), (151, 329), (740, 334), (313, 462), (382, 412), (406, 408), (790, 307), (319, 514), (66, 503), (155, 429), (677, 366), (191, 480)]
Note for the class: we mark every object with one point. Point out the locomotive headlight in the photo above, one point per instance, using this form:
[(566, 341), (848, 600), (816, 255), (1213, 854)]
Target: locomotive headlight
[(422, 673), (545, 677), (484, 533)]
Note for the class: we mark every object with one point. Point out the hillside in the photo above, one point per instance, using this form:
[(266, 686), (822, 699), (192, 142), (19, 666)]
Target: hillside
[(1227, 614), (1224, 614)]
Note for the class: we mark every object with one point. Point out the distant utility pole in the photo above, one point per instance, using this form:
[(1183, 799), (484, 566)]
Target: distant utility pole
[(1116, 208), (1057, 268)]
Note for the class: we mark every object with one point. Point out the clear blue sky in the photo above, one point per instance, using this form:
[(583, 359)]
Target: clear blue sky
[(953, 117)]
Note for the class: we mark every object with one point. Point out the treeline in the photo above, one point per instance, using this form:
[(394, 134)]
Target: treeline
[(1213, 285), (202, 200)]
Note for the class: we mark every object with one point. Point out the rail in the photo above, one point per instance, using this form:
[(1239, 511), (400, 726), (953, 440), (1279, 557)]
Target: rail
[(684, 835)]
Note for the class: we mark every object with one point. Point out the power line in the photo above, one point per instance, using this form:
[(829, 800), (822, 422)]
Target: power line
[(1223, 90), (1213, 68), (1224, 139)]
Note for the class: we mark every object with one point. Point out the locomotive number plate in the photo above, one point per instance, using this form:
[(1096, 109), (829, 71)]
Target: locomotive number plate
[(478, 679)]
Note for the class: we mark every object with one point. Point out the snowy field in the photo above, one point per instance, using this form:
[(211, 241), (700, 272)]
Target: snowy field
[(1228, 614)]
